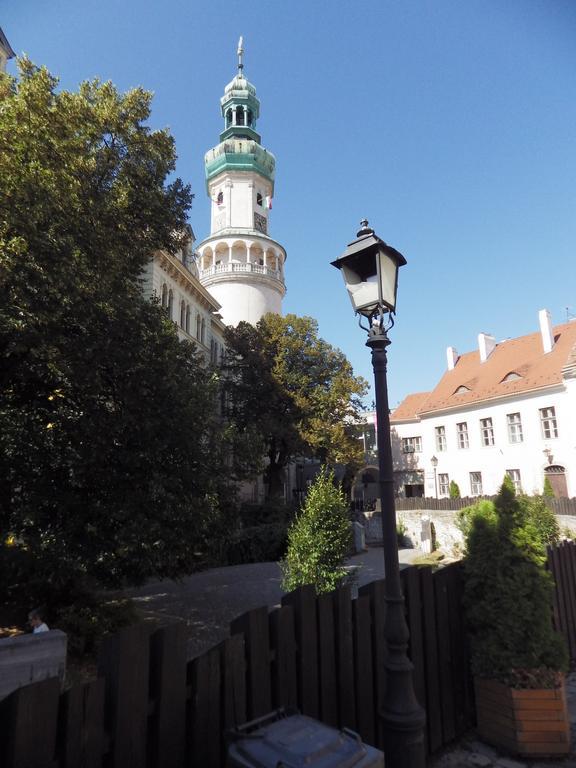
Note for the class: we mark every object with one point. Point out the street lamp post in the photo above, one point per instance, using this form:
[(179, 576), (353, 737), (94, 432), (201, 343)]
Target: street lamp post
[(370, 270), (434, 462)]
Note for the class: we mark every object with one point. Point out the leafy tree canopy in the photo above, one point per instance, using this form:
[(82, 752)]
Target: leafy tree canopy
[(106, 438), (289, 393)]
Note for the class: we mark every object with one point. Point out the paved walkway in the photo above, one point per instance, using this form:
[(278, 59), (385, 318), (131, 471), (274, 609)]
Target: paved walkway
[(210, 600)]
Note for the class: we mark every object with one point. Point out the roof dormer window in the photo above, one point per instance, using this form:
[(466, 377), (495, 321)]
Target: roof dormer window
[(512, 376), (462, 389)]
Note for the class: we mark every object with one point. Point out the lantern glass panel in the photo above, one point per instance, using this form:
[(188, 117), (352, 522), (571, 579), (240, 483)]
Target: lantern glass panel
[(388, 271), (363, 291)]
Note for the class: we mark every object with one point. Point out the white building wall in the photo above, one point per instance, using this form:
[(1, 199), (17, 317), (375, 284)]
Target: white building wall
[(493, 461)]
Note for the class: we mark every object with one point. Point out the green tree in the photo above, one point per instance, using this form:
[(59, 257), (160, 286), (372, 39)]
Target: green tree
[(107, 443), (289, 393), (454, 490), (508, 595), (548, 491), (319, 538)]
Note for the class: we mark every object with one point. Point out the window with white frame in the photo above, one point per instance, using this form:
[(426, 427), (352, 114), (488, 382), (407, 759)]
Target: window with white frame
[(440, 438), (487, 432), (514, 428), (443, 484), (462, 433), (548, 422), (476, 483), (411, 445), (514, 475)]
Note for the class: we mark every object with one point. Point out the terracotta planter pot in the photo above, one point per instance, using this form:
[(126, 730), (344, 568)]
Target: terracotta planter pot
[(529, 722)]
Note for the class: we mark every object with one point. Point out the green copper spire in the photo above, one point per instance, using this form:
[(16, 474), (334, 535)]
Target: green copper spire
[(239, 105)]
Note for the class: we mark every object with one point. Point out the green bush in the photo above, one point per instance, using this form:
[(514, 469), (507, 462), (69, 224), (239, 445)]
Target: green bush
[(466, 516), (507, 597), (548, 490), (319, 538), (454, 490), (88, 621), (542, 518)]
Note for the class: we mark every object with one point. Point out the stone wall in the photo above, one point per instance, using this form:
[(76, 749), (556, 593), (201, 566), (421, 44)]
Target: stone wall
[(448, 538), (29, 658)]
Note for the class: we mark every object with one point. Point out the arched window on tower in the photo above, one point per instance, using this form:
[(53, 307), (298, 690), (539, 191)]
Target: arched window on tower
[(259, 199), (187, 322), (228, 118), (249, 117), (170, 303), (239, 115), (182, 314), (220, 198), (164, 296)]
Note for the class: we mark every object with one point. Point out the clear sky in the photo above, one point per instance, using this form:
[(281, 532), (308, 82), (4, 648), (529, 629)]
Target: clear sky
[(450, 125)]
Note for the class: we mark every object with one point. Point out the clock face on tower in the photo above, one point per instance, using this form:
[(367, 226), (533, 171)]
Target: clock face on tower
[(260, 223)]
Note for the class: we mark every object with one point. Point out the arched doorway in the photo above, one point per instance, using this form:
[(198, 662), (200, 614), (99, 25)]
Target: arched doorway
[(556, 474)]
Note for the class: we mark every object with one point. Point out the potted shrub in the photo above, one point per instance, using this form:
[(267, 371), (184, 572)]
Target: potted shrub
[(518, 660)]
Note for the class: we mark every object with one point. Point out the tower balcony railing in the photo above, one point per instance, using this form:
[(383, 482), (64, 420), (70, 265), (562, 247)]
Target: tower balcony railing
[(242, 267)]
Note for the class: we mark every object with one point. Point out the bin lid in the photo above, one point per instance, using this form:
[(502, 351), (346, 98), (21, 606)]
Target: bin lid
[(299, 741)]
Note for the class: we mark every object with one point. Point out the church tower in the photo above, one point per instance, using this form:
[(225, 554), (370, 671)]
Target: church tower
[(239, 263)]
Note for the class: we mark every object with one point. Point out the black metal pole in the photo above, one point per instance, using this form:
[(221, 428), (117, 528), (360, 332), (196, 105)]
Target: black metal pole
[(402, 718)]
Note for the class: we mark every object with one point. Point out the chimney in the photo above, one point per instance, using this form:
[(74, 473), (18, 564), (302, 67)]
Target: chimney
[(486, 345), (546, 330), (452, 357)]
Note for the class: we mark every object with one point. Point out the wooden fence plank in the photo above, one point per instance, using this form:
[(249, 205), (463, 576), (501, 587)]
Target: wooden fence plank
[(375, 591), (345, 658), (327, 660), (233, 664), (460, 662), (254, 626), (124, 663), (204, 725), (283, 645), (82, 737), (568, 552), (167, 727), (30, 725), (444, 657), (431, 667), (365, 713), (411, 588), (303, 602), (568, 599), (555, 605), (554, 565)]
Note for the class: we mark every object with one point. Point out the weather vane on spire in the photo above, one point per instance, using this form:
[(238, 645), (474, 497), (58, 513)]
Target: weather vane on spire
[(240, 54)]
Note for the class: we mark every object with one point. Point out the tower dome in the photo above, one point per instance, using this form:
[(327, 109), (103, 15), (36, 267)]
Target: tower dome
[(240, 264)]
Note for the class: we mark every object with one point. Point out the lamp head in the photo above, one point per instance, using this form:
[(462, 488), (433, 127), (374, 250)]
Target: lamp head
[(369, 267)]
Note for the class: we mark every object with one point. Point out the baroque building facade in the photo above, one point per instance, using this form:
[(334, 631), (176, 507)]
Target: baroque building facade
[(504, 408)]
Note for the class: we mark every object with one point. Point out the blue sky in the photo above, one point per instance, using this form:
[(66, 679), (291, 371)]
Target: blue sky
[(450, 125)]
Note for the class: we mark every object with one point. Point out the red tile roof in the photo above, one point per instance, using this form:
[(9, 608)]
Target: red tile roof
[(523, 357)]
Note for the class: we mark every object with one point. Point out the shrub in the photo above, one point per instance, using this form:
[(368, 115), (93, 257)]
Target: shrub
[(548, 490), (466, 516), (542, 518), (454, 490), (508, 596), (87, 622), (319, 538)]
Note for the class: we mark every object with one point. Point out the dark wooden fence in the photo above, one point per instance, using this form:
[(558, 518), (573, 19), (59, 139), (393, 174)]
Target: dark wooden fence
[(429, 503), (562, 565), (323, 654)]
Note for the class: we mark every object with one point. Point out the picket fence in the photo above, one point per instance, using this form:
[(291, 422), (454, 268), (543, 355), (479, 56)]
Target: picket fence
[(323, 655)]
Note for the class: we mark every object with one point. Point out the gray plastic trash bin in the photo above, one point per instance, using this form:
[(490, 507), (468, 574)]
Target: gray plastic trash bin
[(295, 741)]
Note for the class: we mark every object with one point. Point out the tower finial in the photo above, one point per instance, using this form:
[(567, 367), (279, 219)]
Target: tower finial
[(240, 55)]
